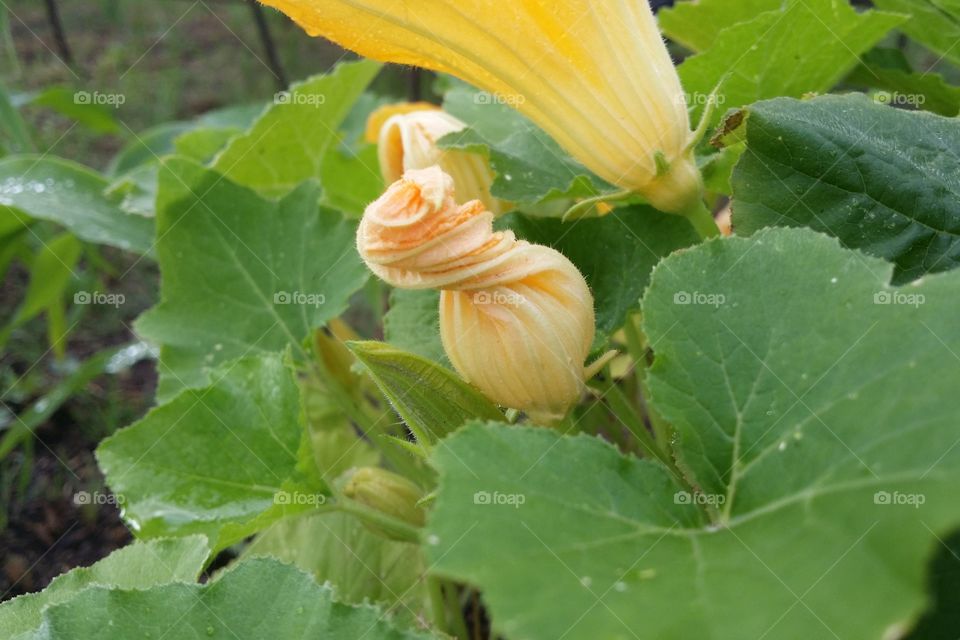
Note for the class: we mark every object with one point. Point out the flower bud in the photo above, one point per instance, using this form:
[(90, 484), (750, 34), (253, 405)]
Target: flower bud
[(386, 493), (516, 319), (379, 116), (408, 140)]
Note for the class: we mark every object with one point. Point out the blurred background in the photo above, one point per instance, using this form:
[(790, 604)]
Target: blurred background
[(170, 61)]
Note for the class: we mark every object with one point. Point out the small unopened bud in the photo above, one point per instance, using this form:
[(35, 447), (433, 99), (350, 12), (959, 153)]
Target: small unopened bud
[(387, 493), (407, 140)]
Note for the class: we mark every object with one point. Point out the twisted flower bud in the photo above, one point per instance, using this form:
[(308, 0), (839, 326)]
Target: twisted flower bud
[(516, 319), (407, 140)]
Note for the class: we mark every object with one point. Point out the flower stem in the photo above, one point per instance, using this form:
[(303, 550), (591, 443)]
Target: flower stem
[(438, 604), (458, 626), (702, 220), (639, 350)]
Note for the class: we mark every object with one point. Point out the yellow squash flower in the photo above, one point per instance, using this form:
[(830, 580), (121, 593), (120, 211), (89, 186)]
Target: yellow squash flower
[(407, 139), (594, 74), (516, 319)]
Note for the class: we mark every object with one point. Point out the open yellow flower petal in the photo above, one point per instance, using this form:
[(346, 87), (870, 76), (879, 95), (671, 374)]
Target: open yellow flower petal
[(594, 74)]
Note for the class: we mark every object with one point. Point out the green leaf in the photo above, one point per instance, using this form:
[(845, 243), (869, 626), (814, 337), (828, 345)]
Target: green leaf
[(413, 323), (14, 134), (889, 69), (696, 24), (242, 274), (212, 457), (137, 190), (202, 144), (139, 566), (72, 195), (50, 273), (807, 46), (432, 400), (883, 180), (812, 418), (615, 253), (13, 232), (251, 601), (362, 566), (934, 23), (351, 180), (149, 146), (530, 166), (288, 143), (69, 103)]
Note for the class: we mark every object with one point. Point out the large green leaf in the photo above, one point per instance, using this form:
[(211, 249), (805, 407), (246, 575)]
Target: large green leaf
[(696, 24), (530, 166), (203, 143), (883, 180), (242, 274), (72, 195), (432, 400), (139, 566), (361, 565), (288, 143), (935, 23), (148, 146), (213, 457), (615, 253), (814, 406), (351, 179), (254, 600), (805, 46)]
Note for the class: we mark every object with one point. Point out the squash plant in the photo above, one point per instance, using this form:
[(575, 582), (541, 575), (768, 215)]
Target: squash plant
[(760, 439)]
